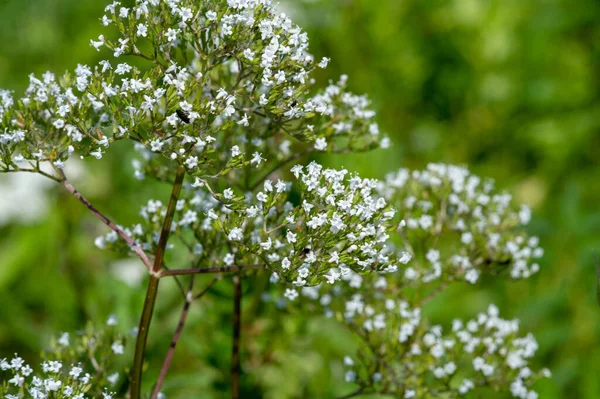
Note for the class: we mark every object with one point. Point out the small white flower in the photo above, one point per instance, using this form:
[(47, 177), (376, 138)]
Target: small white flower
[(244, 121), (64, 339), (211, 15), (172, 34), (235, 234), (291, 237), (290, 294), (321, 144), (113, 378), (142, 30), (249, 54), (228, 193), (257, 158), (191, 162), (324, 62), (117, 348)]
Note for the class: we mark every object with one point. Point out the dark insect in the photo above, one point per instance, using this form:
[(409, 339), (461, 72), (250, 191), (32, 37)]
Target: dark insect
[(184, 116), (293, 103), (304, 252)]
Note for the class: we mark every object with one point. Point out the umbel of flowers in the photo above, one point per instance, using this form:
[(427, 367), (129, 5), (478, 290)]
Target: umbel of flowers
[(77, 366), (221, 104)]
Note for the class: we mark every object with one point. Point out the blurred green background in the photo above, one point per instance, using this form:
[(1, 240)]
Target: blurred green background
[(510, 88)]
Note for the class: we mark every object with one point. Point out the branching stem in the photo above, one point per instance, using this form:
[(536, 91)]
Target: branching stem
[(152, 290)]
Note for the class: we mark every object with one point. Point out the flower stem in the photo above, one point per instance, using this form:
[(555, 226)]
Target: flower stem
[(138, 250), (235, 353), (171, 351), (152, 290)]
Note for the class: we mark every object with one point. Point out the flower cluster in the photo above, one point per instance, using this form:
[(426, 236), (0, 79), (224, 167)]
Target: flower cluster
[(421, 361), (56, 381), (466, 225), (77, 366), (384, 306), (228, 85), (339, 227)]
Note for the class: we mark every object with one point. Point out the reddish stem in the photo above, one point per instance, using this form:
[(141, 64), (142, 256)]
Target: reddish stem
[(138, 250), (234, 268), (167, 362)]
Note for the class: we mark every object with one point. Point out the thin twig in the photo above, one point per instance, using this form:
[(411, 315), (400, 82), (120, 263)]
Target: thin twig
[(138, 250), (174, 340), (36, 171), (435, 292), (234, 268), (178, 282), (205, 290), (167, 362)]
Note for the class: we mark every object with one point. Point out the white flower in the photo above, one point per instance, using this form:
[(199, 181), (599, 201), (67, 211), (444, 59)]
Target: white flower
[(472, 276), (122, 69), (142, 30), (290, 294), (229, 259), (257, 158), (262, 197), (244, 121), (228, 193), (185, 14), (172, 34), (156, 145), (324, 62), (52, 385), (291, 237), (17, 380), (117, 348), (321, 144), (211, 15), (64, 339), (235, 234), (113, 378), (249, 54), (75, 371), (404, 258), (191, 162), (97, 44), (112, 320)]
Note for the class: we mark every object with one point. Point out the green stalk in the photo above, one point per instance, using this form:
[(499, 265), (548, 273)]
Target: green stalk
[(152, 290)]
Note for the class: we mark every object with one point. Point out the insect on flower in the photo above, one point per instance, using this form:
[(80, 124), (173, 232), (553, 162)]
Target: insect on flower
[(304, 253), (184, 116)]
